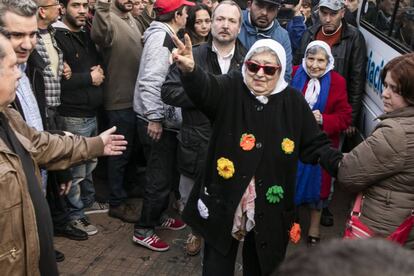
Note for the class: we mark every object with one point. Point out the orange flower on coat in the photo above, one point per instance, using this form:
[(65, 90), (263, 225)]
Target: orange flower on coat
[(294, 233), (247, 141)]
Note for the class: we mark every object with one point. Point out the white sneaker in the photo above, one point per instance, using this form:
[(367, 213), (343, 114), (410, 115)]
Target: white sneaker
[(84, 225), (97, 208)]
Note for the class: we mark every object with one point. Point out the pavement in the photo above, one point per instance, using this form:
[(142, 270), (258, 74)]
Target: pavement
[(112, 252)]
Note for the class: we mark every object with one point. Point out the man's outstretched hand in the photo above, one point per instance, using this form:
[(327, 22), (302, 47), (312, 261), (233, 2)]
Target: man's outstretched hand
[(183, 55), (114, 144)]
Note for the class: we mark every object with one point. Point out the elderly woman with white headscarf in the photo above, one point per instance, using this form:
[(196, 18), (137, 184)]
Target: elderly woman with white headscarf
[(261, 127), (325, 92)]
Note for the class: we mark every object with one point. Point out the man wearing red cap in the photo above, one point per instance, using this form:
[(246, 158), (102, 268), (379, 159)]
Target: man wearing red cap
[(158, 123)]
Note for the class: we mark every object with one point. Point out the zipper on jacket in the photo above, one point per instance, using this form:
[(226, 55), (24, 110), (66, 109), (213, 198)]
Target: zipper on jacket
[(12, 252)]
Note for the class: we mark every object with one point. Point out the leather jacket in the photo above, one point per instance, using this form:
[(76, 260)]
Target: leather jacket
[(19, 243)]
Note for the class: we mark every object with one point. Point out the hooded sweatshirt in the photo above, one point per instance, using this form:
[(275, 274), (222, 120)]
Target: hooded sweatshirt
[(155, 61), (249, 34)]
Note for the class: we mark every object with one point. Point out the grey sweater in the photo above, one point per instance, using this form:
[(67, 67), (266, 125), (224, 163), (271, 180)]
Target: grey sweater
[(155, 61)]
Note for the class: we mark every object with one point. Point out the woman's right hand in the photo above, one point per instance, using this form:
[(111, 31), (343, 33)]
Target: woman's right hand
[(183, 55)]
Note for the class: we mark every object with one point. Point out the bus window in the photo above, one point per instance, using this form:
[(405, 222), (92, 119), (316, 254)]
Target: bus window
[(405, 30), (379, 13)]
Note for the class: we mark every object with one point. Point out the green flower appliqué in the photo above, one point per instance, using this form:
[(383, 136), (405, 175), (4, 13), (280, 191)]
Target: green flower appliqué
[(274, 194)]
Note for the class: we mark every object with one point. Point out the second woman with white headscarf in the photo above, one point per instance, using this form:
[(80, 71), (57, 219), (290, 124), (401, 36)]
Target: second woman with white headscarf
[(261, 127), (325, 92)]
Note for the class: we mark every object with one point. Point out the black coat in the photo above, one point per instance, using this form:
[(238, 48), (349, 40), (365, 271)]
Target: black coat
[(350, 56), (234, 110), (34, 71), (79, 97), (196, 128)]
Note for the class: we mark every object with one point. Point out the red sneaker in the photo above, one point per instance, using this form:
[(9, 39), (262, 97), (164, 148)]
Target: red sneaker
[(172, 224), (152, 242)]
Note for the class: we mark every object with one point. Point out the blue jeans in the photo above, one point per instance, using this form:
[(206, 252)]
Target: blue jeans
[(124, 120), (82, 192)]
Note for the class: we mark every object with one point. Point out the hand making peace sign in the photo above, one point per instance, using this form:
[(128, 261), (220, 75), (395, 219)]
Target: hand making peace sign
[(183, 55)]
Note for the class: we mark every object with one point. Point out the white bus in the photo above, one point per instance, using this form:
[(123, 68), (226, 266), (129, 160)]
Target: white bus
[(388, 28)]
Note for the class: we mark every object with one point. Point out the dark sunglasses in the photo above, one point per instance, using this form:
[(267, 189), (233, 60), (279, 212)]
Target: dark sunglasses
[(254, 67)]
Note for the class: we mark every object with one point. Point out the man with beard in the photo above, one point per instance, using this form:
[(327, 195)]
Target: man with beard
[(47, 59), (118, 36), (81, 96), (349, 50), (259, 21), (222, 53)]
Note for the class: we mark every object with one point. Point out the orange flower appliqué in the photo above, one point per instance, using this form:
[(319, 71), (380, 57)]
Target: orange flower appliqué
[(247, 141), (225, 168), (295, 232), (288, 146)]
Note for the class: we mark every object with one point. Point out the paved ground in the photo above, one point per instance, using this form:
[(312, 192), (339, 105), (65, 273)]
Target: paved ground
[(111, 251)]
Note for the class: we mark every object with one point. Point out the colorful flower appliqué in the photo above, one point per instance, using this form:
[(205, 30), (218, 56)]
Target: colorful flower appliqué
[(225, 168), (247, 141), (274, 194), (295, 232), (288, 146)]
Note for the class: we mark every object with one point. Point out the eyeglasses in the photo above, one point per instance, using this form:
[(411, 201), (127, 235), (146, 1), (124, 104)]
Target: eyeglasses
[(254, 67)]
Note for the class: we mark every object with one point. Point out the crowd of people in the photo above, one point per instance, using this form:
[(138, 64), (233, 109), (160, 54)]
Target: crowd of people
[(236, 114)]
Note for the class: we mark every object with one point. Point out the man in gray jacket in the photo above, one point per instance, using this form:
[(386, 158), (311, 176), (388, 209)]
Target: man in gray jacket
[(158, 123)]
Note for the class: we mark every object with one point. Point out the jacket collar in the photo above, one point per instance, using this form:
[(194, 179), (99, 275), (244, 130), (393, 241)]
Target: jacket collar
[(239, 51), (23, 140), (402, 112), (36, 61), (346, 29)]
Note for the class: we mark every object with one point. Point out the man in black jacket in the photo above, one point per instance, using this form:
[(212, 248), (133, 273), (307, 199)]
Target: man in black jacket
[(81, 96), (195, 129)]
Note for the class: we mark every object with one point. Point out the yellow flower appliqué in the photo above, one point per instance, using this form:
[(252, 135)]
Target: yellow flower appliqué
[(225, 168), (288, 146)]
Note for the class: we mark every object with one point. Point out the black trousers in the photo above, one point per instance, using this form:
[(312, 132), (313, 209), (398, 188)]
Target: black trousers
[(117, 166), (57, 203), (161, 174), (217, 264)]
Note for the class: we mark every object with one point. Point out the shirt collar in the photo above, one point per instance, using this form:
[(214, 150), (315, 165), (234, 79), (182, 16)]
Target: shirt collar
[(228, 56), (22, 67)]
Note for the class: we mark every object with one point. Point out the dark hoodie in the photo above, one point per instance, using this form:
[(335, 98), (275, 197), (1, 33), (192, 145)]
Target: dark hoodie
[(79, 97)]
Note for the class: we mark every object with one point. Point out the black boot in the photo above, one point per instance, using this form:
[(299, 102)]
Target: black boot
[(60, 257), (327, 218)]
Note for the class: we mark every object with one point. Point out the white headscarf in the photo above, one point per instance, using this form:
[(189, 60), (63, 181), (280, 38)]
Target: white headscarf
[(278, 49), (314, 86)]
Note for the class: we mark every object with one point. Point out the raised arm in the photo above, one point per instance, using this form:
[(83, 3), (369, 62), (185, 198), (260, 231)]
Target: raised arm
[(206, 91), (102, 29)]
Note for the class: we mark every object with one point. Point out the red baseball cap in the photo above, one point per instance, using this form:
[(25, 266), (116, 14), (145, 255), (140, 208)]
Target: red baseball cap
[(166, 6)]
